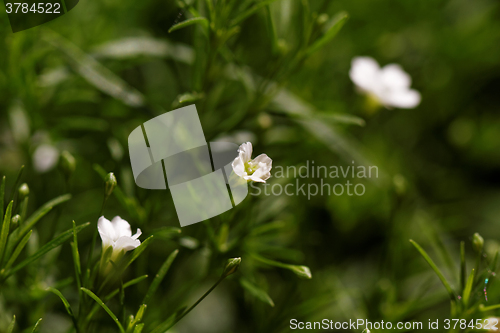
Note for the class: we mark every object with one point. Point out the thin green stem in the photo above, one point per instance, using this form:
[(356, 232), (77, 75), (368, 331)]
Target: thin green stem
[(197, 302)]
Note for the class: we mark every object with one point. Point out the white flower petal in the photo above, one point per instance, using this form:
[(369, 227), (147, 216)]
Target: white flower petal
[(106, 230), (245, 151), (405, 99), (395, 77), (263, 158), (137, 234), (365, 73), (126, 243), (238, 167), (122, 227)]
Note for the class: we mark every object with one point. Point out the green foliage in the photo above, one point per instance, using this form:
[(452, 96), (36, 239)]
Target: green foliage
[(276, 73)]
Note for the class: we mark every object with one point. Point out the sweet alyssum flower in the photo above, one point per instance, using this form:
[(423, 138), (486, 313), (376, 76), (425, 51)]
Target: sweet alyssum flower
[(118, 235), (257, 170), (389, 85)]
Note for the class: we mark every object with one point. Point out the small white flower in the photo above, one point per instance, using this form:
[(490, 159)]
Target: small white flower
[(258, 169), (390, 85), (117, 234), (45, 158)]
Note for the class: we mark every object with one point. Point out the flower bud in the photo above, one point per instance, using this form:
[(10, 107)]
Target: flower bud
[(302, 271), (110, 184), (322, 19), (231, 266), (23, 191), (14, 222), (68, 163), (477, 242)]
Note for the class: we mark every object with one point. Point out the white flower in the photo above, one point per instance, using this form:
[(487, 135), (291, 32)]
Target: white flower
[(258, 169), (45, 158), (390, 85), (117, 234)]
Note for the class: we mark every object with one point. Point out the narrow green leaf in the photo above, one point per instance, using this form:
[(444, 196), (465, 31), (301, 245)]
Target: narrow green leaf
[(462, 265), (66, 305), (195, 20), (5, 230), (272, 29), (12, 323), (483, 308), (76, 257), (114, 292), (2, 196), (138, 328), (101, 303), (127, 261), (16, 183), (332, 29), (256, 291), (18, 250), (36, 325), (468, 288), (159, 276), (138, 317), (47, 247), (436, 270), (41, 212), (242, 16), (301, 271)]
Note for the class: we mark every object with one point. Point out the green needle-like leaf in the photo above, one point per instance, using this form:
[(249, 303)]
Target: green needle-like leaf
[(256, 291), (2, 196), (462, 265), (301, 271), (11, 325), (125, 262), (41, 212), (18, 250), (4, 233), (76, 257), (250, 11), (332, 30), (468, 289), (114, 292), (159, 276), (101, 303), (47, 247), (36, 325), (436, 270), (195, 20), (16, 183), (66, 305)]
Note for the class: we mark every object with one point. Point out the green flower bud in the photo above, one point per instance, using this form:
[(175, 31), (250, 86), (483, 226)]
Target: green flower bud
[(68, 163), (477, 242), (23, 191), (322, 19), (110, 184), (231, 266), (14, 222), (302, 271)]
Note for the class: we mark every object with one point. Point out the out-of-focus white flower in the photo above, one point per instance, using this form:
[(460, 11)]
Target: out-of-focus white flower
[(117, 234), (390, 85), (258, 169), (45, 158)]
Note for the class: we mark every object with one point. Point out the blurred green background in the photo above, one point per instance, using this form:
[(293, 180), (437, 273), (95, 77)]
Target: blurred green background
[(84, 81)]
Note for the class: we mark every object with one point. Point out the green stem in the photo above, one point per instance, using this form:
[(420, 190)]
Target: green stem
[(197, 302)]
